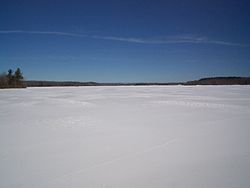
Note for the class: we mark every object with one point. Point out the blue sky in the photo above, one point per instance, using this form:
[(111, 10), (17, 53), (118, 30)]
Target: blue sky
[(125, 41)]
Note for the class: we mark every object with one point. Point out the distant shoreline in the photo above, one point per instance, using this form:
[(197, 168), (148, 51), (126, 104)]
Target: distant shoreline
[(202, 81), (34, 83)]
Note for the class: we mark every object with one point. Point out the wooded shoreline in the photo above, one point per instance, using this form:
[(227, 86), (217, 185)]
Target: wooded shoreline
[(203, 81)]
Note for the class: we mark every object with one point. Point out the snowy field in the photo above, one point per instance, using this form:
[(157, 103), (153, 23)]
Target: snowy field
[(125, 137)]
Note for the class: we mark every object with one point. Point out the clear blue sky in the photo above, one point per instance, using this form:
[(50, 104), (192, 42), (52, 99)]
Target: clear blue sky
[(125, 40)]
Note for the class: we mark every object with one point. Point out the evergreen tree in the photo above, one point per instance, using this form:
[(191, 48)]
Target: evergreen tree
[(10, 77), (18, 75)]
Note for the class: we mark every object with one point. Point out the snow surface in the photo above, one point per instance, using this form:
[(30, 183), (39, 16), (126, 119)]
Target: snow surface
[(125, 137)]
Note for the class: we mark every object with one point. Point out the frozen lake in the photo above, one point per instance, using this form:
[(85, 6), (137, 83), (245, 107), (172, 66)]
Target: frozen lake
[(125, 137)]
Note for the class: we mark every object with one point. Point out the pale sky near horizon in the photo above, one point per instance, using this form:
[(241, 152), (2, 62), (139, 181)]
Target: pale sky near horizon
[(125, 41)]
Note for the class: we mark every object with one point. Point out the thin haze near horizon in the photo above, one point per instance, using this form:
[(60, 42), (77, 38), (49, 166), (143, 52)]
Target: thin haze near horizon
[(125, 41)]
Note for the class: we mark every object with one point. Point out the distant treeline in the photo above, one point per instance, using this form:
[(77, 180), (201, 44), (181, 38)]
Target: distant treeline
[(12, 79), (34, 83), (203, 81), (15, 80), (221, 81)]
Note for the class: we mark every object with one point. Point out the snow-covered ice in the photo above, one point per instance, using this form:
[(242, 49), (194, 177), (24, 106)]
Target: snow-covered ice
[(125, 137)]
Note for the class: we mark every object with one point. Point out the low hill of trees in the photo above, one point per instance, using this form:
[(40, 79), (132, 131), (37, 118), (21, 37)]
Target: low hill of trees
[(221, 81), (12, 79)]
